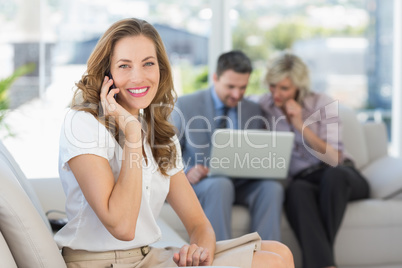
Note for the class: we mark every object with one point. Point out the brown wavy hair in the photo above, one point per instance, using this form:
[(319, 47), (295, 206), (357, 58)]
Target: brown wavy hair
[(156, 115)]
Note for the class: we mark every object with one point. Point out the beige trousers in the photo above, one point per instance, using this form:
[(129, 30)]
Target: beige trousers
[(234, 252)]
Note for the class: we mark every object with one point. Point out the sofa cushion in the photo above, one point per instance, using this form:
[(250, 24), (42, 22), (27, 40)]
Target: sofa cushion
[(27, 237), (385, 177), (240, 221), (370, 234), (169, 236)]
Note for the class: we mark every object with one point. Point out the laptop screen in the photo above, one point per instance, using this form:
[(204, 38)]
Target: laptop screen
[(251, 154)]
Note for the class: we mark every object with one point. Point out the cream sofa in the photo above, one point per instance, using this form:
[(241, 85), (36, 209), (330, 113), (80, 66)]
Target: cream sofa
[(370, 235), (371, 232), (26, 238)]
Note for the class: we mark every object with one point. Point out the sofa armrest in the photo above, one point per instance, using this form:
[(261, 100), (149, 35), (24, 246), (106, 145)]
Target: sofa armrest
[(6, 256), (385, 177), (376, 140)]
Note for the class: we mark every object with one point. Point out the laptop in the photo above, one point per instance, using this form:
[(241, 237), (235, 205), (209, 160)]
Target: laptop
[(257, 154)]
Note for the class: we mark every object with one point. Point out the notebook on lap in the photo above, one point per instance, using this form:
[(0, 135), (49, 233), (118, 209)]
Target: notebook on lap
[(256, 154)]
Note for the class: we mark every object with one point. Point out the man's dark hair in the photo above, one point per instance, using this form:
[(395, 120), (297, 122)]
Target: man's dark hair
[(233, 60)]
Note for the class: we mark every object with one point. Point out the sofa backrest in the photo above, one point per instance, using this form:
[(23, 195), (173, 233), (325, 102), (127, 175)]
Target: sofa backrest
[(376, 139), (353, 137), (6, 256), (26, 237)]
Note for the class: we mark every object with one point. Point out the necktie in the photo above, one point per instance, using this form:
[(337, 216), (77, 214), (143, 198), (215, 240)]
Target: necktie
[(222, 123)]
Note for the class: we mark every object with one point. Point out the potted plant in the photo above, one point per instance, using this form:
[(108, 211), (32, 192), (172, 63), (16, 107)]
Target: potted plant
[(5, 84)]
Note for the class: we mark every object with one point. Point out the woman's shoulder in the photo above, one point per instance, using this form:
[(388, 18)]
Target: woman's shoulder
[(80, 120), (82, 133), (265, 98), (316, 100), (82, 124), (75, 115)]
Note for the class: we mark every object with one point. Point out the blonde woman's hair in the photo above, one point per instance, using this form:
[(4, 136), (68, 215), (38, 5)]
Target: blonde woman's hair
[(156, 115), (288, 65)]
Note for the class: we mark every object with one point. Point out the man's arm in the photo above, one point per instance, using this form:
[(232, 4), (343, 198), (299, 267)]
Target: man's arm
[(194, 172), (178, 120)]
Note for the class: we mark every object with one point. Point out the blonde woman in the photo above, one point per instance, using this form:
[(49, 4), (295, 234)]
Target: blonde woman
[(118, 165), (322, 176)]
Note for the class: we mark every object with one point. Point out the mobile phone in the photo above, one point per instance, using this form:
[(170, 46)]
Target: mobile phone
[(109, 74), (297, 95)]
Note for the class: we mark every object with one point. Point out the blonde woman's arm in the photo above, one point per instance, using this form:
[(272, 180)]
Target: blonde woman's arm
[(324, 151)]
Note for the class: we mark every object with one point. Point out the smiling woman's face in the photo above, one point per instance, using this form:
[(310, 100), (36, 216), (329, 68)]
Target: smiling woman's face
[(135, 71)]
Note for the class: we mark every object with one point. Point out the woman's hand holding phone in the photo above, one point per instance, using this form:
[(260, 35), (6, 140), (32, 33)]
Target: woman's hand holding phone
[(128, 123)]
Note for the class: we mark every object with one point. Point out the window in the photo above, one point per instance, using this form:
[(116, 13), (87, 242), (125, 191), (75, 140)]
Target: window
[(346, 43), (58, 37)]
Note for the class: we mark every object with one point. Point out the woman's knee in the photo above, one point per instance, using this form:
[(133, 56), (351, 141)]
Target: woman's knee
[(272, 190), (265, 259), (279, 248), (336, 177)]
